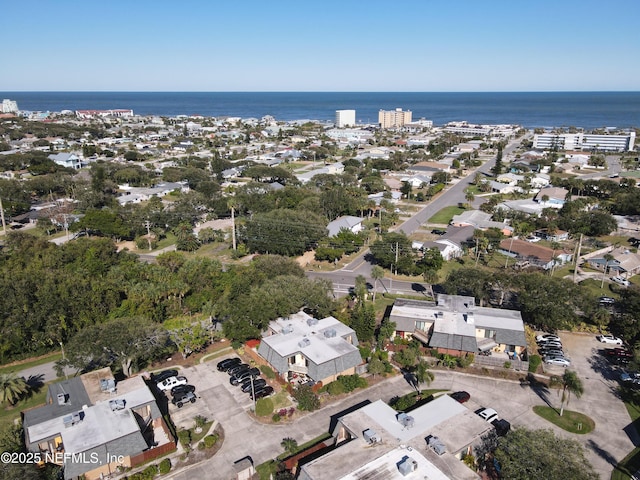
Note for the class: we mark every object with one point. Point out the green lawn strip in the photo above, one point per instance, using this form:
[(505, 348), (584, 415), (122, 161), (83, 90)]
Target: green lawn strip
[(267, 469), (9, 415), (444, 216), (572, 422), (304, 446), (196, 437), (22, 365)]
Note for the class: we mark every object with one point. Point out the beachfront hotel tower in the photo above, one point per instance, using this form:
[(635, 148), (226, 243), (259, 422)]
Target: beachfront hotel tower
[(394, 118)]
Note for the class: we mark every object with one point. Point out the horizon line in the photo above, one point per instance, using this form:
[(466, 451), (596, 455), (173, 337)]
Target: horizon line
[(319, 91)]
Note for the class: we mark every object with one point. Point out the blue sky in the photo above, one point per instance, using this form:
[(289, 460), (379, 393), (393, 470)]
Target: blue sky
[(305, 45)]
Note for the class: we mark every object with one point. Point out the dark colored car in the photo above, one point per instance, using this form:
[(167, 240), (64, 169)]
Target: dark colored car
[(263, 392), (240, 377), (437, 231), (180, 400), (460, 397), (227, 363), (238, 368), (163, 375), (502, 427), (257, 385), (180, 389)]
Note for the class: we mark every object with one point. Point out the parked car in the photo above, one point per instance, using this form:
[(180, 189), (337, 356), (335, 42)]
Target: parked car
[(171, 382), (238, 368), (552, 353), (621, 281), (257, 385), (606, 300), (609, 339), (263, 392), (227, 363), (437, 231), (163, 375), (180, 389), (547, 336), (533, 239), (184, 397), (546, 343), (240, 377), (630, 377), (460, 397), (563, 362), (488, 414), (550, 346), (502, 426)]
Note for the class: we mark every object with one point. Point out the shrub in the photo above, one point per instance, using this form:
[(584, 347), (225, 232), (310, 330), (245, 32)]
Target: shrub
[(267, 372), (464, 362), (351, 382), (335, 388), (150, 472), (200, 421), (534, 363), (276, 417), (184, 436), (165, 466), (403, 403), (306, 398), (264, 407), (507, 364), (210, 440)]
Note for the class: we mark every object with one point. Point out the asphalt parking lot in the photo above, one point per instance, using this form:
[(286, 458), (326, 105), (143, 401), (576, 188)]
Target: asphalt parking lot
[(611, 440)]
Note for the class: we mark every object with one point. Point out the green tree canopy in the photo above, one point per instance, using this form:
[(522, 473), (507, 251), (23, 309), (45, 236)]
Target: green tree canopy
[(526, 454)]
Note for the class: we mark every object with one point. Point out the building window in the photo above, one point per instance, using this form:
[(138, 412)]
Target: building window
[(489, 334), (421, 325)]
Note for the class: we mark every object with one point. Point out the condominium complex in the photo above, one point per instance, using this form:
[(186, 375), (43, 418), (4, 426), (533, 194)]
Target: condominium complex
[(345, 118), (9, 106), (394, 118), (585, 141), (470, 129)]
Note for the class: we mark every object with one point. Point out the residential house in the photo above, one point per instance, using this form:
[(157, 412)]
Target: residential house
[(552, 196), (377, 442), (350, 223), (141, 194), (67, 160), (429, 167), (454, 325), (537, 255), (625, 263), (552, 236), (448, 249), (92, 425), (480, 220), (302, 348)]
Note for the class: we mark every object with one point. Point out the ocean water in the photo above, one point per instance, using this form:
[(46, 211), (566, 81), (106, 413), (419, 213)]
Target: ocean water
[(529, 109)]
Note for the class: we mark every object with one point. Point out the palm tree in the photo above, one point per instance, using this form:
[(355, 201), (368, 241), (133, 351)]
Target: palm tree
[(555, 246), (289, 444), (570, 384), (423, 375), (469, 196), (377, 273), (11, 388)]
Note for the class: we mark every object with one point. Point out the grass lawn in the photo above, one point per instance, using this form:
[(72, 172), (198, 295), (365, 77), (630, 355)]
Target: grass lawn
[(572, 422), (9, 415), (593, 287), (444, 216)]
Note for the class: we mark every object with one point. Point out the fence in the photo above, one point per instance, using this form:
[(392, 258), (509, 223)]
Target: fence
[(152, 454), (499, 361)]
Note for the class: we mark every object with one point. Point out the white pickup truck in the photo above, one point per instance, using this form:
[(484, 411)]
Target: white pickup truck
[(171, 382)]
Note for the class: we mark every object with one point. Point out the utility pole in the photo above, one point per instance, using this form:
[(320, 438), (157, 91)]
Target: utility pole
[(577, 259), (396, 264), (233, 226), (4, 224)]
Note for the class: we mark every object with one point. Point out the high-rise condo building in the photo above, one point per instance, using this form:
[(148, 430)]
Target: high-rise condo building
[(345, 118), (393, 118)]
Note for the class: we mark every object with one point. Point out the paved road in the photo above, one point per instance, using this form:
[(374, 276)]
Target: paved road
[(612, 439), (344, 278)]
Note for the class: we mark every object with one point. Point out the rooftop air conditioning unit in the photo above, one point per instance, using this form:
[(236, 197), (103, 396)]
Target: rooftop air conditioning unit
[(287, 329), (331, 333), (312, 321), (405, 420), (407, 465), (370, 436), (304, 343), (62, 398), (436, 444)]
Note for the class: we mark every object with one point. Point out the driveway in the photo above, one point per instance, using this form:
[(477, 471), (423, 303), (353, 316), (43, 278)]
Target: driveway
[(606, 445)]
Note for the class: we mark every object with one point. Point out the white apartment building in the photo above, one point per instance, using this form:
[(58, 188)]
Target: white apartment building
[(394, 118), (585, 141), (470, 129), (9, 106), (345, 118)]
